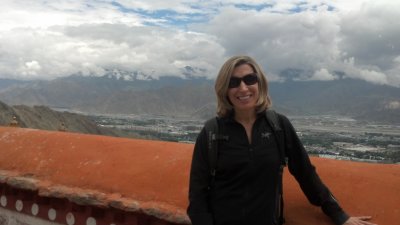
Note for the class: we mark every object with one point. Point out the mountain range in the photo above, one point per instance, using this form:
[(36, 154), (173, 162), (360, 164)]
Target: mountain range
[(192, 96)]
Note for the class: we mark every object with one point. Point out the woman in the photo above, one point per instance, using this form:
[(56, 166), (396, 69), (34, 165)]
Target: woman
[(244, 189)]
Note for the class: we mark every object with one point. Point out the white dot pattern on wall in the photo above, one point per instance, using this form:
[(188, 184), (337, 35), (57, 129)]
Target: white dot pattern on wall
[(35, 209), (91, 221), (19, 205), (3, 201), (70, 218), (52, 214)]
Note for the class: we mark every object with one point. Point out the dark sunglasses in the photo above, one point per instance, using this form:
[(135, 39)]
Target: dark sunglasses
[(249, 79)]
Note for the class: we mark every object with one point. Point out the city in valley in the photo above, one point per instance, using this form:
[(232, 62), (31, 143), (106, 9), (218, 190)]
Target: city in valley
[(325, 136)]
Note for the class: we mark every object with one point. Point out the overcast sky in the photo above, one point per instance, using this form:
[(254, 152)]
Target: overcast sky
[(50, 39)]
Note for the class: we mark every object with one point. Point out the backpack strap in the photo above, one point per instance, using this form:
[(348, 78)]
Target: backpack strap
[(273, 120), (213, 138)]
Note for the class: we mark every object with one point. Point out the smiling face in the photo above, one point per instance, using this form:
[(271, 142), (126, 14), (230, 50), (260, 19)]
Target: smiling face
[(244, 97)]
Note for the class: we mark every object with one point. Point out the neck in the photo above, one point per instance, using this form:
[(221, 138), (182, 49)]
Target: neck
[(245, 116)]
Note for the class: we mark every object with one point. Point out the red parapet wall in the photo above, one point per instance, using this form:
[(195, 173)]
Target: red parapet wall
[(28, 207), (361, 189), (147, 178), (67, 178)]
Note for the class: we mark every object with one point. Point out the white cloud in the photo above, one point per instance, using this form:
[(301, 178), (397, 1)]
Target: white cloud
[(324, 75), (89, 48), (314, 39), (304, 40), (374, 76), (30, 68), (41, 15), (48, 39), (368, 73)]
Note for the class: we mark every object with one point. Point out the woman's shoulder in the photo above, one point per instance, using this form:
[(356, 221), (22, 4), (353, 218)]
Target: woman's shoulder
[(276, 113), (283, 119), (282, 116)]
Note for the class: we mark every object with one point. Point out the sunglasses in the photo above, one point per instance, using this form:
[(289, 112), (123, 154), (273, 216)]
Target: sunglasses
[(249, 79)]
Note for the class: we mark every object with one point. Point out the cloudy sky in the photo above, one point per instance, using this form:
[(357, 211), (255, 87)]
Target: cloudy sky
[(308, 39)]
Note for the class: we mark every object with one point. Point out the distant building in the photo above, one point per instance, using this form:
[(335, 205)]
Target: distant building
[(393, 147), (62, 127), (14, 122), (342, 144)]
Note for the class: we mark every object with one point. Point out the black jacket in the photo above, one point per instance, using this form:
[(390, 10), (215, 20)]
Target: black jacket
[(247, 178)]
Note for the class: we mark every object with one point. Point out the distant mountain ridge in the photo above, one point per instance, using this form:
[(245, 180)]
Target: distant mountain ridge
[(194, 96), (348, 97), (109, 94)]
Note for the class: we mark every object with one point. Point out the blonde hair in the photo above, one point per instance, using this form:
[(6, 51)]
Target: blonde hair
[(224, 106)]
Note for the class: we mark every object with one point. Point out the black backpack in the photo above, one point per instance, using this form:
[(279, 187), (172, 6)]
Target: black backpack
[(214, 137)]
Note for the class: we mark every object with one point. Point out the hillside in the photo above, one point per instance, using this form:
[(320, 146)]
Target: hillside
[(42, 117)]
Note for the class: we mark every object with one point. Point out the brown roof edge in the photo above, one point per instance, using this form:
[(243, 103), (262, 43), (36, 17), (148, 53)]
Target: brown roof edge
[(94, 198)]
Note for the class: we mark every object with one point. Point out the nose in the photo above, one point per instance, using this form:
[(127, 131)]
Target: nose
[(242, 85)]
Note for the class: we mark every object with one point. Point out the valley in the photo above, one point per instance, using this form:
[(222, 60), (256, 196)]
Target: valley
[(324, 136)]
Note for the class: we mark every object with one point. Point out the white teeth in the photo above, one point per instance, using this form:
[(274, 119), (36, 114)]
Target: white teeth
[(244, 97)]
